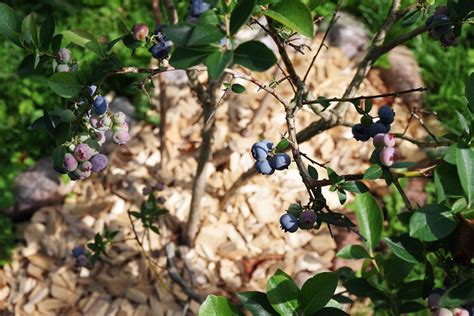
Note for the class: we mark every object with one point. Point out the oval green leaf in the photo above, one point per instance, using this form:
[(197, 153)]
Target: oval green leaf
[(241, 13), (353, 252), (370, 218), (84, 39), (217, 306), (257, 303), (66, 84), (255, 56), (283, 293), (293, 14), (432, 222), (465, 167), (317, 291)]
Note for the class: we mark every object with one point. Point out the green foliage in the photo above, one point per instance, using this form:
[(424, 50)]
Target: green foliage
[(6, 239), (150, 210)]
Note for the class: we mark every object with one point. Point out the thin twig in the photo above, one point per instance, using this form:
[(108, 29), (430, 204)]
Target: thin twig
[(402, 193), (424, 144)]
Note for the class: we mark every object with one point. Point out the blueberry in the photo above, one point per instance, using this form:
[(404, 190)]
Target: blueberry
[(448, 39), (100, 105), (360, 132), (64, 56), (289, 223), (433, 300), (82, 152), (377, 128), (264, 167), (161, 50), (140, 32), (281, 161), (119, 118), (82, 261), (198, 7), (104, 123), (307, 219), (388, 156), (70, 163), (386, 115), (260, 149), (384, 140), (91, 89), (60, 170), (77, 251), (121, 137), (99, 162), (62, 68), (99, 136), (79, 174)]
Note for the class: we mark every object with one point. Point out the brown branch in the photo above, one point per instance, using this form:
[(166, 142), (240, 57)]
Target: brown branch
[(424, 144), (402, 193)]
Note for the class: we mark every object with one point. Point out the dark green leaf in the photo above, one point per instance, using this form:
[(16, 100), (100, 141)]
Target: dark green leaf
[(331, 311), (342, 299), (47, 32), (313, 173), (317, 291), (353, 252), (240, 14), (361, 288), (257, 303), (458, 294), (411, 307), (463, 122), (432, 222), (411, 290), (293, 14), (63, 132), (217, 306), (255, 56), (403, 165), (373, 172), (136, 214), (400, 251), (447, 181), (336, 219), (370, 218), (204, 34), (10, 24), (283, 293), (184, 58), (450, 155), (342, 196), (465, 167), (355, 187), (29, 30), (179, 33), (58, 156), (49, 123), (217, 62), (469, 91), (396, 269), (56, 43), (84, 39), (155, 229), (66, 84), (237, 88)]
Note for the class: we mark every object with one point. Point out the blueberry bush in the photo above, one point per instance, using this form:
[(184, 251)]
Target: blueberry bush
[(425, 264)]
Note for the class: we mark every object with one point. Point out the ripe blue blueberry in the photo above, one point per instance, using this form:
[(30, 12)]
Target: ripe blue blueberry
[(260, 149), (99, 162), (307, 219), (70, 163), (161, 50), (360, 132), (82, 152), (280, 161), (77, 251), (386, 115), (198, 7), (289, 223), (100, 105), (64, 55), (60, 170), (82, 260), (91, 89), (264, 167), (377, 128)]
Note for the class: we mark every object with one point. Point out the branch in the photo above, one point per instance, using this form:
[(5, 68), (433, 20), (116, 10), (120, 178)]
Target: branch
[(383, 95), (424, 144)]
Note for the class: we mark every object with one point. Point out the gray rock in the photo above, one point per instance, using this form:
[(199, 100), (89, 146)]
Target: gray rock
[(38, 187), (350, 35)]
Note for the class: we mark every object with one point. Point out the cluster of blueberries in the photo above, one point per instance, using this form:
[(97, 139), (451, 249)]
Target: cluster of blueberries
[(83, 154), (79, 253), (433, 304), (63, 58), (267, 160), (161, 44), (441, 28), (291, 221), (383, 141)]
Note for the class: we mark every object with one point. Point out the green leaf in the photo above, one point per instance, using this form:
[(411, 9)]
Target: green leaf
[(184, 57), (403, 165), (432, 222), (237, 88), (469, 91), (317, 291), (353, 252), (240, 14), (465, 167), (313, 173), (411, 307), (204, 34), (29, 30), (49, 123), (62, 132), (217, 306), (411, 290), (84, 39), (47, 32), (282, 145), (400, 251), (342, 196), (331, 311), (283, 293), (293, 14), (58, 156), (257, 303), (355, 187), (217, 62), (447, 181), (373, 172), (463, 122), (66, 84), (370, 218), (361, 288), (458, 294), (255, 56), (179, 33), (10, 24)]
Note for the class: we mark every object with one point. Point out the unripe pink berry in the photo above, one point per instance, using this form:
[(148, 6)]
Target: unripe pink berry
[(70, 163), (121, 137), (82, 152), (388, 156), (140, 32), (443, 312), (119, 118), (384, 140), (460, 312)]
